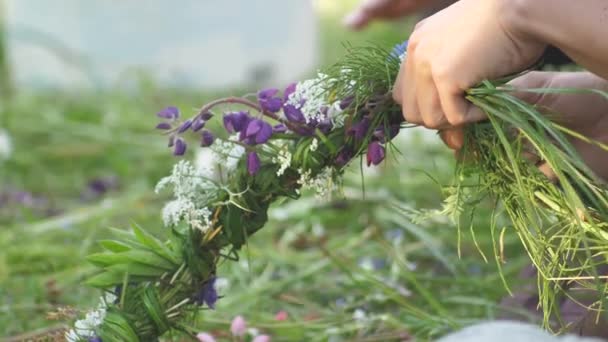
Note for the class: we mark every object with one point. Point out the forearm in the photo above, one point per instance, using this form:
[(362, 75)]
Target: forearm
[(579, 28)]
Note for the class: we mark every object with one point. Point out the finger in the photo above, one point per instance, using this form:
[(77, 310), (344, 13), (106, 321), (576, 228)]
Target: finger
[(458, 111), (427, 97), (357, 20), (453, 137), (411, 111), (531, 80)]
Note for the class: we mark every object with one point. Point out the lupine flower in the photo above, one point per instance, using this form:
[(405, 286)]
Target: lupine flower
[(207, 138), (180, 147), (169, 113), (204, 337), (95, 339), (359, 130), (380, 133), (375, 153), (325, 126), (280, 128), (268, 101), (290, 89), (184, 127), (293, 114), (206, 116), (253, 163), (238, 327), (207, 295), (236, 122), (163, 125), (281, 315), (198, 124), (261, 338), (346, 102), (344, 156), (258, 131)]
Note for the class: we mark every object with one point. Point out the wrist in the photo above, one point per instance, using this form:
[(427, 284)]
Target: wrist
[(520, 18)]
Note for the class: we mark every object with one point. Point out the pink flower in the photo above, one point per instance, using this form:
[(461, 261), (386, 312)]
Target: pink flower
[(281, 316), (261, 338), (238, 326), (204, 337)]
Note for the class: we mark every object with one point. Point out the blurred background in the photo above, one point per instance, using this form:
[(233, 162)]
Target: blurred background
[(80, 82)]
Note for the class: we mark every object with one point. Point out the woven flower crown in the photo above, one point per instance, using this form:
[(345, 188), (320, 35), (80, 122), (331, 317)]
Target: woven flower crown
[(282, 142)]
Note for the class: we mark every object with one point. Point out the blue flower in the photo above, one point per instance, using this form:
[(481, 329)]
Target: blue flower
[(399, 50), (207, 295)]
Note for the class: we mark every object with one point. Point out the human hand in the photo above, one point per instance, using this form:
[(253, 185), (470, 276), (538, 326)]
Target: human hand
[(370, 10), (586, 114), (452, 51)]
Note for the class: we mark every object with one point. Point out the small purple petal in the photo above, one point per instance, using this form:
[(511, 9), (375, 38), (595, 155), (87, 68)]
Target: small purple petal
[(344, 156), (280, 128), (206, 116), (207, 139), (163, 126), (198, 124), (375, 153), (267, 93), (291, 88), (184, 127), (346, 102), (272, 105), (264, 134), (253, 163), (95, 339), (180, 147), (359, 130), (293, 114), (169, 113), (236, 122), (253, 127)]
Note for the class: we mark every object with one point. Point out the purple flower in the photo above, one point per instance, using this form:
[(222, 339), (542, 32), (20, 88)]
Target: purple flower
[(268, 101), (346, 102), (94, 339), (258, 131), (184, 127), (253, 163), (238, 327), (205, 337), (198, 124), (163, 126), (207, 295), (380, 133), (169, 113), (206, 116), (325, 126), (280, 128), (293, 114), (207, 138), (180, 147), (261, 338), (290, 89), (375, 153), (359, 130), (236, 122), (344, 156)]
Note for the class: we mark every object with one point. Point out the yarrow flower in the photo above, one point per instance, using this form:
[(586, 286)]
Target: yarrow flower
[(189, 188), (322, 183), (86, 328)]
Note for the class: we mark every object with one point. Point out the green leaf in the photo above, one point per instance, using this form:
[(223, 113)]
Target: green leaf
[(155, 244), (114, 246), (105, 280), (137, 269)]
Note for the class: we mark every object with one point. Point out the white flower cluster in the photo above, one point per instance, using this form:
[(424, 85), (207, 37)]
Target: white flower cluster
[(85, 328), (228, 153), (314, 145), (6, 145), (283, 158), (322, 184), (310, 96), (190, 188)]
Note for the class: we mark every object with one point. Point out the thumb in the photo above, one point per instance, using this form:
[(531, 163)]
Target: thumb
[(531, 80)]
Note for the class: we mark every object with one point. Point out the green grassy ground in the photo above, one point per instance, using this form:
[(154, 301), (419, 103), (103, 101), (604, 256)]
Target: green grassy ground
[(355, 268)]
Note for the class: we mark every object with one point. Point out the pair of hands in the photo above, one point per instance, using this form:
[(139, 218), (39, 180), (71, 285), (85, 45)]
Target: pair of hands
[(474, 40)]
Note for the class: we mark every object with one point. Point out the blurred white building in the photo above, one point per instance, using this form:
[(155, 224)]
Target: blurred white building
[(194, 43)]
